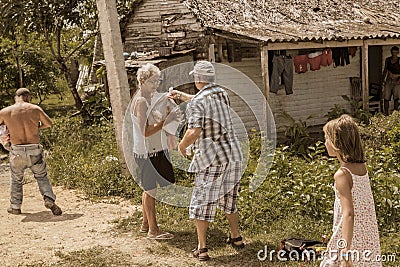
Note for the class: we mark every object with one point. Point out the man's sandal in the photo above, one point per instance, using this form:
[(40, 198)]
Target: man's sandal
[(232, 241), (197, 251)]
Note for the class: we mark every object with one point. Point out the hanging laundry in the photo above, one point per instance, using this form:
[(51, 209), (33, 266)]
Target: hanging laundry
[(352, 51), (326, 57), (282, 70), (315, 60), (300, 63), (270, 64), (340, 56)]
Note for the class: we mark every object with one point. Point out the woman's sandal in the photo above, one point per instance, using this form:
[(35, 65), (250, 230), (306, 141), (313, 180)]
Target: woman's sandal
[(232, 241), (197, 251), (144, 229)]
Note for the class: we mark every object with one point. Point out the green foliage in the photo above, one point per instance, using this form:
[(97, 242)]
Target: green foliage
[(40, 74), (294, 186), (97, 103), (8, 73), (296, 197), (356, 111), (85, 157), (298, 139), (336, 112), (381, 139)]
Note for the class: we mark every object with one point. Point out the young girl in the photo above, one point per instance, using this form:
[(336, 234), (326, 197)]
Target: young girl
[(355, 230)]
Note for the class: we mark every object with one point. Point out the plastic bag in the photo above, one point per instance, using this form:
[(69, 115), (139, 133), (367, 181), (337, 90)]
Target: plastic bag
[(5, 137)]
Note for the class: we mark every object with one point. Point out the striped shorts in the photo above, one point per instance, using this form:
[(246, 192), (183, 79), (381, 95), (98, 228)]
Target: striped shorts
[(216, 186)]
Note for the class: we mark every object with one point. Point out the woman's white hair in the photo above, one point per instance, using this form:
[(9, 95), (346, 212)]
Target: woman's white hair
[(147, 71)]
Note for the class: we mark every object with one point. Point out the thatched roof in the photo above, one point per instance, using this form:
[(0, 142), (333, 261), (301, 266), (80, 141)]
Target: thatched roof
[(299, 20)]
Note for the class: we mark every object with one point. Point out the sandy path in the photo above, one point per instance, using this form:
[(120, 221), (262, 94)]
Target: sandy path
[(36, 235)]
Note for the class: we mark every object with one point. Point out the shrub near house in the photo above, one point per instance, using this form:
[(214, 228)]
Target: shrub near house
[(296, 197)]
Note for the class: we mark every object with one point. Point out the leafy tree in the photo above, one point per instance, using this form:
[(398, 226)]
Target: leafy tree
[(39, 73), (66, 27), (8, 72)]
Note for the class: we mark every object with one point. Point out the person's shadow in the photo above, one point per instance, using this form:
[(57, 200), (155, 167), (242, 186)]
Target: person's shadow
[(47, 216)]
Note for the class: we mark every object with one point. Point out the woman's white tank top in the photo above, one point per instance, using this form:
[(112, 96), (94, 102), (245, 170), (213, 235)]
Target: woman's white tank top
[(144, 147)]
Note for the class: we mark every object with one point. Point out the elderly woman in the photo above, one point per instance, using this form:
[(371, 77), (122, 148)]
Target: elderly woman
[(150, 152)]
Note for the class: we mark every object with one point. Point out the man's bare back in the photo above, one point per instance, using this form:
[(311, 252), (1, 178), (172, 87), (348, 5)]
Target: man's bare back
[(23, 121)]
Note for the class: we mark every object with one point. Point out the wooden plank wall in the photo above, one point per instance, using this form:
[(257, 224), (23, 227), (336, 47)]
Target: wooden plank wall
[(153, 24), (241, 89)]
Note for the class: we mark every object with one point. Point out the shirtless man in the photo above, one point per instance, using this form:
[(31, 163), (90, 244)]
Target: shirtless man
[(23, 121), (391, 80)]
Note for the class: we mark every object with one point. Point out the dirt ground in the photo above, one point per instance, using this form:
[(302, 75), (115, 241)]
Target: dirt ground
[(37, 238)]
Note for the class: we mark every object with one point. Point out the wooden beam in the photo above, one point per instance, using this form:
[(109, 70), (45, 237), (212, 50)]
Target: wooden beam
[(364, 76), (241, 39), (265, 70), (313, 45), (383, 42), (220, 51)]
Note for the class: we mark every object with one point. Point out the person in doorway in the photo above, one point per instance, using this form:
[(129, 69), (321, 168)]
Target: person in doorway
[(391, 80), (217, 160), (23, 121)]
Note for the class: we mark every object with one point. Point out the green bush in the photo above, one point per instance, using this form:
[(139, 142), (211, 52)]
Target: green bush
[(356, 110), (296, 196), (85, 157), (382, 142)]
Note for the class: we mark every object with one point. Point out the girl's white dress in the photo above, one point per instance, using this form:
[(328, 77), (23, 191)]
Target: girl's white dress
[(365, 241)]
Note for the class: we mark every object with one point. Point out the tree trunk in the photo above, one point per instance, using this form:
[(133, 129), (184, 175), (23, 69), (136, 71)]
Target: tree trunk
[(97, 53), (72, 86), (16, 55), (74, 70), (116, 73)]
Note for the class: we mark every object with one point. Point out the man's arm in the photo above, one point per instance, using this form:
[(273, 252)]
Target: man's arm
[(178, 95), (384, 73), (1, 117), (146, 129), (45, 121), (190, 137), (196, 120)]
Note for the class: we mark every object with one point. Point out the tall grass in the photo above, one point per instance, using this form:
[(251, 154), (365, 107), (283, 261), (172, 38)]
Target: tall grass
[(295, 199), (85, 157)]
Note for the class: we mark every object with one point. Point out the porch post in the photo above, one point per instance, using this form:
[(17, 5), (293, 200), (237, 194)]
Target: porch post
[(211, 53), (364, 76), (265, 70)]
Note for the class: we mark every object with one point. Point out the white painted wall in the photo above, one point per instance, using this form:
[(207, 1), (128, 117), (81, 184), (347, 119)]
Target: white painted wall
[(245, 91), (315, 92)]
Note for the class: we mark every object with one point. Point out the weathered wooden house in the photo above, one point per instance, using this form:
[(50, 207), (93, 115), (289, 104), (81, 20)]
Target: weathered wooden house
[(247, 34)]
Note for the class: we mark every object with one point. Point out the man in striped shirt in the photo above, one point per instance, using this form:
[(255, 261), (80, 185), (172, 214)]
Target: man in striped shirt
[(217, 158)]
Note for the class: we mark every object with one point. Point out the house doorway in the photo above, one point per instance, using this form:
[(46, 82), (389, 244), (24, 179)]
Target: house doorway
[(375, 69)]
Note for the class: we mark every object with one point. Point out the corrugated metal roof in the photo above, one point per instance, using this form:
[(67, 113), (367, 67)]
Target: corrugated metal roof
[(299, 20)]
